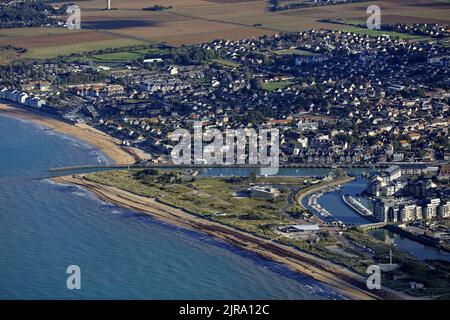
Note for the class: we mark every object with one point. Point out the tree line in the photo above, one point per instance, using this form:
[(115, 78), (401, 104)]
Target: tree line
[(27, 14)]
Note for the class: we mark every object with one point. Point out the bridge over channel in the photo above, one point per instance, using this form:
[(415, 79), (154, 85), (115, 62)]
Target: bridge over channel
[(197, 166), (150, 166), (372, 226)]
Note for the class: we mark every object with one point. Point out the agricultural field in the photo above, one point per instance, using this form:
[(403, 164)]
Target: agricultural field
[(8, 54), (44, 43), (50, 52), (392, 11), (197, 21)]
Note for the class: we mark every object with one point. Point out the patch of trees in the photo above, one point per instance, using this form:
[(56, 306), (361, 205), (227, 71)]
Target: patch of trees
[(192, 55), (17, 49), (119, 49), (156, 7), (8, 73), (144, 174), (252, 216), (280, 5), (26, 14), (169, 177), (150, 172), (59, 1)]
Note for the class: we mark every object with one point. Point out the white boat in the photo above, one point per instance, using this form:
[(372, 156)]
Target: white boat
[(356, 205)]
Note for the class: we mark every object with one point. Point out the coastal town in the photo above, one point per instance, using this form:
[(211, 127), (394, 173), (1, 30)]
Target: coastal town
[(337, 98), (368, 107)]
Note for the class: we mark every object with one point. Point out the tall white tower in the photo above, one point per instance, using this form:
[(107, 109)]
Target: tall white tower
[(108, 4)]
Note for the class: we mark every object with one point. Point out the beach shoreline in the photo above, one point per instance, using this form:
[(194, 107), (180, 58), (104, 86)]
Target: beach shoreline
[(108, 145), (341, 280)]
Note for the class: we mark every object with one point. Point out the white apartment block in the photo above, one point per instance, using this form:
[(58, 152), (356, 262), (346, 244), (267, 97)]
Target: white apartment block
[(430, 210), (444, 210)]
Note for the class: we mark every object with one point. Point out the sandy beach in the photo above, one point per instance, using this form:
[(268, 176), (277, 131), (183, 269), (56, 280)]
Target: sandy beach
[(340, 279), (110, 146)]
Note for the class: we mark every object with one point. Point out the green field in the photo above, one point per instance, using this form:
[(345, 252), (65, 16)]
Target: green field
[(153, 51), (52, 52), (295, 51), (226, 63), (273, 86), (209, 197), (12, 33), (115, 56), (123, 55), (8, 55)]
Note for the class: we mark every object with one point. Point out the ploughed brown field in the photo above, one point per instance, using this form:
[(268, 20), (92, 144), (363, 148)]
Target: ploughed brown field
[(194, 21), (36, 40), (392, 11)]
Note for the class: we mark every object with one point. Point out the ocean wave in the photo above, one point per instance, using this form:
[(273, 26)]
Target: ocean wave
[(54, 183)]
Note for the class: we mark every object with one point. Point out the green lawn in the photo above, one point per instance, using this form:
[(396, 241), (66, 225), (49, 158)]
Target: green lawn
[(51, 52), (153, 51), (295, 51), (123, 56), (273, 86), (226, 63)]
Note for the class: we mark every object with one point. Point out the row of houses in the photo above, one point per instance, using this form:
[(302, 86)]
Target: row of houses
[(97, 90), (21, 97)]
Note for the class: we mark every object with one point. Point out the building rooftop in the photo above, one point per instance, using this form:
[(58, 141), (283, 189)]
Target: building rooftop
[(306, 227)]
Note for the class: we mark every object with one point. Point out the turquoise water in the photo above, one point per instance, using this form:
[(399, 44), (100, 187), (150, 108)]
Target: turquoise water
[(45, 227)]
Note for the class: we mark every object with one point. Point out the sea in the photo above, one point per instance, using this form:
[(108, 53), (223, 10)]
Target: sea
[(47, 227)]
